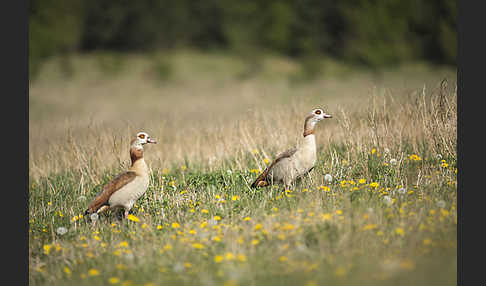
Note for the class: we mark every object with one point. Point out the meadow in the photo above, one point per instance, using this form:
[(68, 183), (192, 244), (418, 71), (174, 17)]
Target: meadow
[(379, 208)]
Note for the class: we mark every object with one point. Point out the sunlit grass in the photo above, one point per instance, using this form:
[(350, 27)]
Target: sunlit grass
[(380, 207)]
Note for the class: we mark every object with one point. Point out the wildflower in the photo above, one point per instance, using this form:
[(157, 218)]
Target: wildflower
[(241, 257), (204, 211), (399, 231), (275, 209), (198, 245), (266, 161), (326, 216), (218, 258), (159, 227), (444, 212), (93, 272), (187, 265), (229, 256), (414, 157), (256, 171), (374, 185), (217, 217), (61, 230), (393, 161), (373, 151), (427, 241), (369, 226), (229, 171), (183, 167), (255, 241), (258, 226), (361, 181), (67, 271), (255, 151), (123, 244), (339, 212), (247, 218), (203, 224), (441, 204), (325, 188), (235, 198), (167, 246), (444, 164), (47, 248), (113, 280), (340, 271), (133, 218), (328, 178), (94, 216), (407, 264), (283, 258), (175, 225)]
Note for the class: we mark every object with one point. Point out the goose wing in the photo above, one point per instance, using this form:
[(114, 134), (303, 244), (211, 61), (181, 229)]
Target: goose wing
[(261, 181), (111, 187)]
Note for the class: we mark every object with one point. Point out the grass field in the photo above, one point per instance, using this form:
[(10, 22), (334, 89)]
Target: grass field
[(387, 217)]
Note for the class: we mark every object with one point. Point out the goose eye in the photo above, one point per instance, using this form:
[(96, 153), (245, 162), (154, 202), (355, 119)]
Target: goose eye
[(141, 136), (318, 112)]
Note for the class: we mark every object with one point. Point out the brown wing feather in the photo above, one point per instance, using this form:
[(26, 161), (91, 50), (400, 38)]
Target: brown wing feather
[(114, 185), (261, 180)]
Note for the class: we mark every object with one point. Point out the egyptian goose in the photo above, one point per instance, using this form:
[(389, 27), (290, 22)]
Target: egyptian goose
[(128, 187), (296, 162)]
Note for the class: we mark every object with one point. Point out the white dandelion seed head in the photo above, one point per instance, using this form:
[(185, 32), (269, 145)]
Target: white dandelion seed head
[(328, 178), (61, 230), (441, 204), (387, 151), (402, 191), (178, 267), (94, 216), (438, 156), (229, 171), (393, 161), (387, 200)]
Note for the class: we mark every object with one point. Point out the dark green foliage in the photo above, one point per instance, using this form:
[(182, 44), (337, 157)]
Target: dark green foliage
[(372, 33)]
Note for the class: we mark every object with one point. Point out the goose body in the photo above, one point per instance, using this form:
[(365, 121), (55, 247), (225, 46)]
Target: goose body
[(294, 163), (125, 189)]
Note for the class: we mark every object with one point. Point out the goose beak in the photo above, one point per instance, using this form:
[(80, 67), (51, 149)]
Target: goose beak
[(150, 140), (327, 115)]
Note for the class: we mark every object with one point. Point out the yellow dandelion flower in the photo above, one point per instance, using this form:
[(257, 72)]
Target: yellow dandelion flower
[(168, 246), (326, 216), (266, 161), (204, 211), (93, 272), (247, 218), (114, 280), (67, 271), (121, 266), (275, 209), (255, 151), (217, 217), (187, 264), (369, 226), (235, 198), (427, 241), (229, 256), (399, 231), (283, 258), (255, 242), (183, 167), (339, 212), (258, 226), (198, 245), (374, 185), (47, 248), (203, 224), (133, 218), (362, 181), (218, 258), (175, 225), (373, 151), (340, 271), (159, 227), (123, 244), (241, 257), (414, 157)]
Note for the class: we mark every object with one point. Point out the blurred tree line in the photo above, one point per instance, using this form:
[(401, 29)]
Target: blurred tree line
[(368, 32)]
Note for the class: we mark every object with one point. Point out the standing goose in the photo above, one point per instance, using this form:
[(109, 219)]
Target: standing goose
[(296, 162), (128, 187)]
